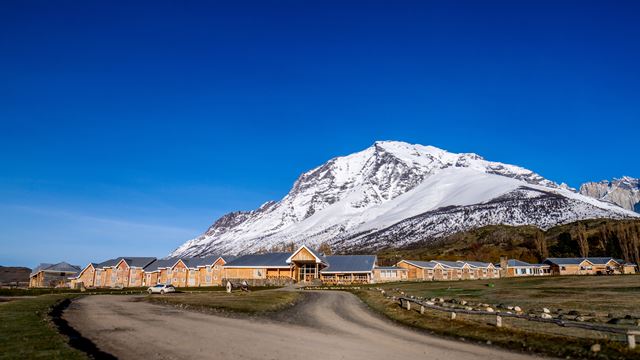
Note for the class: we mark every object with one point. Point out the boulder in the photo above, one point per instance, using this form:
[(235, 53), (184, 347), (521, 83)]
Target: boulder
[(546, 316), (517, 309), (580, 318), (488, 309), (463, 303), (595, 348), (546, 311)]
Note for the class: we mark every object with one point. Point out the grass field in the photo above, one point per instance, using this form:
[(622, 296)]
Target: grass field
[(27, 333), (618, 296), (236, 302)]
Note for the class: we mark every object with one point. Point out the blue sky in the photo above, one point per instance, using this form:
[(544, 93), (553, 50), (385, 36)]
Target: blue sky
[(127, 129)]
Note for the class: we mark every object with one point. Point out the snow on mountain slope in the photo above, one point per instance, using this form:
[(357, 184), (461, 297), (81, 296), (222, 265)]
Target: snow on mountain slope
[(352, 198)]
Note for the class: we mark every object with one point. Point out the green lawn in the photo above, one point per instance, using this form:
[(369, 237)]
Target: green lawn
[(615, 295), (237, 301), (26, 332)]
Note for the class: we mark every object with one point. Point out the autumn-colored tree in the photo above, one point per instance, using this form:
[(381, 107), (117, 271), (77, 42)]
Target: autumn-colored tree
[(541, 245), (583, 243), (325, 249)]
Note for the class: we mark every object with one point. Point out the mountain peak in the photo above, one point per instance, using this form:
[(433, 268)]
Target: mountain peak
[(412, 192)]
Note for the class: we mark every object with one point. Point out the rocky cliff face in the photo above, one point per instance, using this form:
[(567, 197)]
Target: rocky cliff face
[(624, 192), (394, 193)]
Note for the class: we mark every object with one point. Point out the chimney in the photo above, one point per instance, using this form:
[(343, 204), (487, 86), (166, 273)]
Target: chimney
[(503, 262), (503, 266)]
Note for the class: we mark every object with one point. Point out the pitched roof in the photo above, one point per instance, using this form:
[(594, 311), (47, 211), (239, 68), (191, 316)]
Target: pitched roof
[(389, 268), (578, 260), (136, 261), (161, 263), (261, 260), (319, 259), (516, 263), (59, 267), (194, 262), (450, 264), (475, 264), (349, 263), (422, 264)]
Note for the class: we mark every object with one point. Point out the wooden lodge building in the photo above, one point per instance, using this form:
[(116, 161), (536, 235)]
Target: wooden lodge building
[(514, 268), (589, 266), (303, 266), (306, 265), (52, 275), (440, 270)]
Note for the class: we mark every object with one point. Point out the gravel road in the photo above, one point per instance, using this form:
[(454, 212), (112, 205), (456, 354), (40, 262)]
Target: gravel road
[(328, 325)]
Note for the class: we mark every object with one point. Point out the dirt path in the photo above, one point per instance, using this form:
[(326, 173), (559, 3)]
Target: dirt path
[(331, 325)]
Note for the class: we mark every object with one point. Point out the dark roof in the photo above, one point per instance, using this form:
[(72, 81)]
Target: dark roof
[(390, 268), (133, 261), (257, 260), (161, 263), (59, 267), (422, 264), (137, 261), (515, 263), (194, 262), (107, 263), (349, 263)]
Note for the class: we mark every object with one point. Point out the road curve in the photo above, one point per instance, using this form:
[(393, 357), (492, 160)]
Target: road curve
[(330, 325)]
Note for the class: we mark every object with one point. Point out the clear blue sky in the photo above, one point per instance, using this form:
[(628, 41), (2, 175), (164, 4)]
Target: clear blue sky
[(128, 129)]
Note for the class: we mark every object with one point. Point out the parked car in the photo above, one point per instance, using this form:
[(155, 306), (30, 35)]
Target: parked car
[(161, 289)]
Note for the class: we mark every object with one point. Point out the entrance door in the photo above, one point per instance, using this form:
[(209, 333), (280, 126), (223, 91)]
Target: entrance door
[(307, 272)]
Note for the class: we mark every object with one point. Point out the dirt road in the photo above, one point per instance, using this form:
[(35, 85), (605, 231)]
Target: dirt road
[(330, 325)]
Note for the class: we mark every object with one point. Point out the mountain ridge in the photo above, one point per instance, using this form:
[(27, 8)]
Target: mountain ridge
[(387, 183)]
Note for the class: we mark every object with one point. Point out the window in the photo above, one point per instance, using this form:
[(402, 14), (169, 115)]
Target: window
[(208, 268)]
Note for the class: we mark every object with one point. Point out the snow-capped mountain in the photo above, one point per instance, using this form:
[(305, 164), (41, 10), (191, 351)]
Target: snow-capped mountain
[(624, 192), (393, 194)]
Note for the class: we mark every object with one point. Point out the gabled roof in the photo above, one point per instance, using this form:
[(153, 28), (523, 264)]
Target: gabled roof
[(518, 263), (602, 260), (475, 264), (349, 263), (194, 262), (450, 264), (421, 264), (389, 268), (160, 264), (261, 260), (59, 267), (135, 261), (579, 260), (132, 261), (315, 255)]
